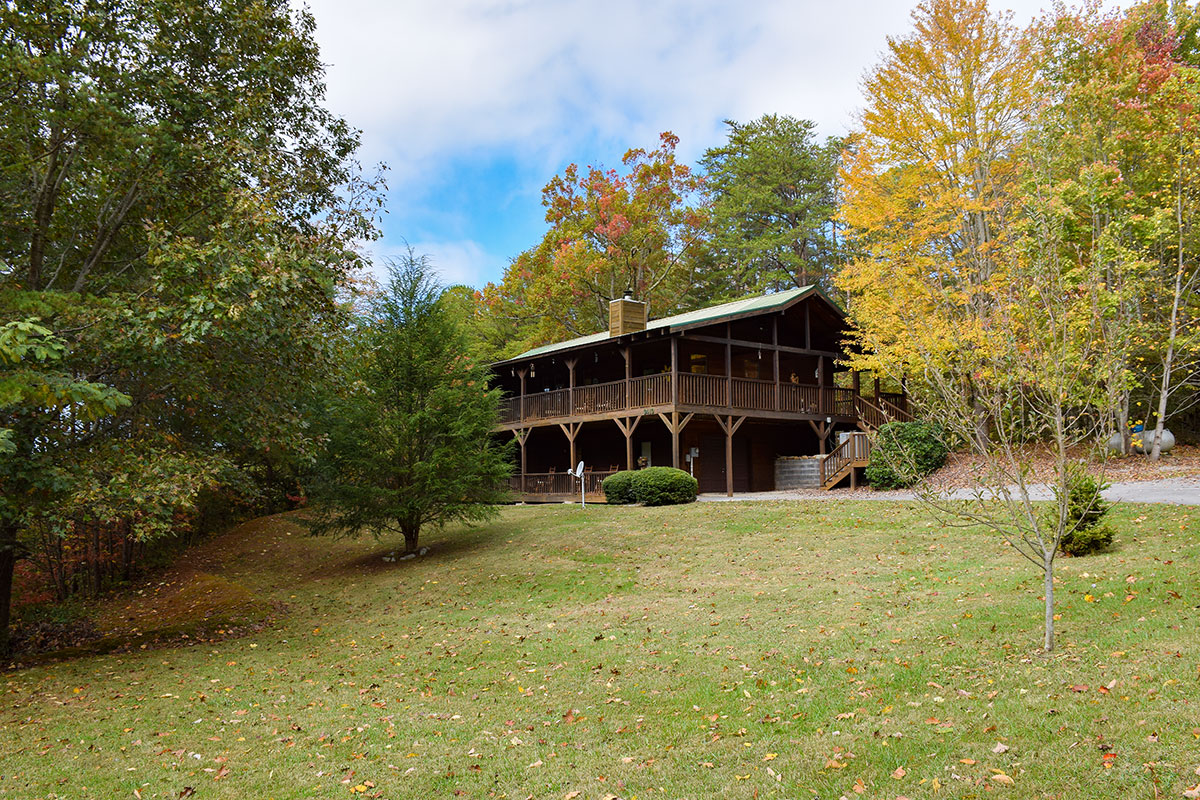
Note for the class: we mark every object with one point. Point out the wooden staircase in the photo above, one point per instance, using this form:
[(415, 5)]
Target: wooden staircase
[(845, 459)]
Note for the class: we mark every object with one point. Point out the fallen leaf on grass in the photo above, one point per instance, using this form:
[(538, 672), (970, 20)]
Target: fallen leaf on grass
[(1193, 792), (859, 787), (572, 795), (221, 773), (899, 773), (967, 761), (1003, 780), (832, 764), (1001, 748), (1079, 687)]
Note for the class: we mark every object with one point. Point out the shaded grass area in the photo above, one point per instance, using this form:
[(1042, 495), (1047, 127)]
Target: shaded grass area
[(748, 650)]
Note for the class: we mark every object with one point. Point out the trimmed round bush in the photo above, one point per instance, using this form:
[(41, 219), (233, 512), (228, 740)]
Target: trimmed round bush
[(664, 486), (904, 452), (618, 488)]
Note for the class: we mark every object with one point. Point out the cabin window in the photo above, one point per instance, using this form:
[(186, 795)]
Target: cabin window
[(698, 363)]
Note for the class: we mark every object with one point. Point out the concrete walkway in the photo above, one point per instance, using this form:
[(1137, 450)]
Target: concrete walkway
[(1173, 491)]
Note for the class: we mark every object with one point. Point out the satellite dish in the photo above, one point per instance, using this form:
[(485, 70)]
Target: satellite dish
[(579, 470)]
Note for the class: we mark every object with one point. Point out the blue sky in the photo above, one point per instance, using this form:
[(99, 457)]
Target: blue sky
[(474, 106)]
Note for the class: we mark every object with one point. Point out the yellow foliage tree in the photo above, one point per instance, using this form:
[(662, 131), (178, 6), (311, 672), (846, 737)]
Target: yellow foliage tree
[(961, 284)]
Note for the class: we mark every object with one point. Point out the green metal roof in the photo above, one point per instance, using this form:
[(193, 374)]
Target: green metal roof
[(690, 319)]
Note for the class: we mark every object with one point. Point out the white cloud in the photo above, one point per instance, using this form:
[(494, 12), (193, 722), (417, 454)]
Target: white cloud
[(455, 262), (426, 78)]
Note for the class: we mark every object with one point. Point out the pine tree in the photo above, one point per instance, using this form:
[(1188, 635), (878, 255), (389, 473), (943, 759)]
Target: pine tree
[(410, 433)]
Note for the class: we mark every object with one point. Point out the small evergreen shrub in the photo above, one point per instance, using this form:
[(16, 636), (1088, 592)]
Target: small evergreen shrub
[(618, 488), (664, 486), (904, 452), (1086, 531)]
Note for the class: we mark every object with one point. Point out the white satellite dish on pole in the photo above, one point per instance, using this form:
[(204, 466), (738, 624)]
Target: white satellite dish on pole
[(578, 473)]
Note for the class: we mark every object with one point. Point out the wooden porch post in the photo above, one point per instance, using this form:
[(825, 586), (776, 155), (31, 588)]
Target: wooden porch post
[(674, 370), (821, 429), (675, 425), (775, 356), (571, 429), (628, 426), (627, 355), (876, 390), (728, 365), (730, 427), (571, 362), (521, 401), (857, 383), (522, 434), (822, 406), (675, 439)]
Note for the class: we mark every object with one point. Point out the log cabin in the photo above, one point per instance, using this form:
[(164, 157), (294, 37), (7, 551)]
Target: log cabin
[(728, 392)]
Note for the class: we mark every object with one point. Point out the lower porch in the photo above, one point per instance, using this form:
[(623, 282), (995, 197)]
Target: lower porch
[(726, 453)]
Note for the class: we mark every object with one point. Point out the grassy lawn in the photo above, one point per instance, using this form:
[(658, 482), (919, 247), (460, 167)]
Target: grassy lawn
[(744, 650)]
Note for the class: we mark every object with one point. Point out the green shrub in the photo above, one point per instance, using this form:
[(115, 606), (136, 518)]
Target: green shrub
[(618, 488), (1086, 532), (904, 452), (664, 486)]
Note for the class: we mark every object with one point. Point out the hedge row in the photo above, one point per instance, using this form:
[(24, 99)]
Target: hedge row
[(653, 486)]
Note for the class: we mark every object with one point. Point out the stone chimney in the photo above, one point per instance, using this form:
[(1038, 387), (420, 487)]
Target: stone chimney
[(626, 315)]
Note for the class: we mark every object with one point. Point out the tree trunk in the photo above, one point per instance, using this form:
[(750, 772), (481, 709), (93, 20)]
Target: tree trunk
[(411, 532), (1048, 643), (8, 560)]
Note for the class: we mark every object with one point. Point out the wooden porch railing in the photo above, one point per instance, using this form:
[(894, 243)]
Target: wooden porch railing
[(650, 390), (600, 397), (557, 483), (712, 391), (703, 390), (870, 414), (752, 394), (547, 405), (800, 399), (898, 413), (510, 409)]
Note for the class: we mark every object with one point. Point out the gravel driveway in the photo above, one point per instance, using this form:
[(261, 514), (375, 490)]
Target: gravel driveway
[(1173, 491)]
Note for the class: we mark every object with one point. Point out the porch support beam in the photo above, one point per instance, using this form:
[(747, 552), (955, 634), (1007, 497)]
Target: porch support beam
[(675, 425), (571, 362), (728, 365), (571, 429), (628, 426), (775, 362), (521, 373), (675, 370), (821, 429), (521, 435), (730, 426)]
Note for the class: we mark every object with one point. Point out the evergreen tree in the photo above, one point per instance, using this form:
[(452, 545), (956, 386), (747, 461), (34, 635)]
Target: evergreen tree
[(411, 433), (773, 202)]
